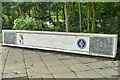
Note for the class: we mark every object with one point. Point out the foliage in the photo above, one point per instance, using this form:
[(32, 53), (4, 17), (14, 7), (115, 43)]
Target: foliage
[(0, 37), (37, 15), (24, 24)]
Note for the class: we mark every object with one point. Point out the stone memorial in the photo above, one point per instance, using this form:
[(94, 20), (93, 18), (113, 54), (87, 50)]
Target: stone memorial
[(81, 43)]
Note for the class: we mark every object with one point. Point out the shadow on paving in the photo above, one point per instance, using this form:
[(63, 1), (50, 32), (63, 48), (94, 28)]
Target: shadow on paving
[(60, 79), (118, 54)]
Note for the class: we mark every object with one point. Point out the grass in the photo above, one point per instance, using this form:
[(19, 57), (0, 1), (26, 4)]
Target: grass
[(73, 71), (0, 37)]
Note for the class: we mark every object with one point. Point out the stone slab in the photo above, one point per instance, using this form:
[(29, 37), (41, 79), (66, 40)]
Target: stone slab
[(65, 75), (14, 67), (97, 65), (86, 60), (88, 74), (59, 69), (112, 63), (71, 61), (54, 63), (108, 72), (79, 67)]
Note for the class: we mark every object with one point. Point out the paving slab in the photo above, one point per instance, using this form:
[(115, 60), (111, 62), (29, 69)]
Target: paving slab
[(53, 63), (4, 54), (15, 54), (108, 72), (59, 69), (45, 53), (49, 58), (48, 78), (62, 56), (79, 67), (86, 60), (111, 63), (71, 61), (35, 66), (97, 65), (65, 75), (14, 67), (9, 74), (39, 72), (88, 74), (32, 59), (95, 79), (117, 68)]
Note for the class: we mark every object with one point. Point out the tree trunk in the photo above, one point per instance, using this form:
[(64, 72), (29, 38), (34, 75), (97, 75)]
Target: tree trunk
[(64, 16), (57, 13), (67, 17), (80, 19), (29, 12), (49, 13), (88, 15), (93, 23), (18, 11)]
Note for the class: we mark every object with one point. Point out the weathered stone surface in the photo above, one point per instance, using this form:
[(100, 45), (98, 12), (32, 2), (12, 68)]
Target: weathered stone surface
[(62, 56), (117, 68), (30, 63), (97, 65), (14, 67), (9, 38), (50, 58), (79, 67), (65, 75), (108, 72), (71, 61), (44, 54), (86, 60), (54, 63), (88, 74), (112, 63), (101, 45), (59, 69)]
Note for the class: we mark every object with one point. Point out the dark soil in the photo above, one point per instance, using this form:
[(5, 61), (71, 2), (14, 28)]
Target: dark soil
[(118, 53)]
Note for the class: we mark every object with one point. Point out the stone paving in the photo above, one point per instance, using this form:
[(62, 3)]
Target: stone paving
[(32, 63)]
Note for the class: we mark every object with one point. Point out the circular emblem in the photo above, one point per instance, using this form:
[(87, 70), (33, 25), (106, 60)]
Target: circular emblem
[(81, 43)]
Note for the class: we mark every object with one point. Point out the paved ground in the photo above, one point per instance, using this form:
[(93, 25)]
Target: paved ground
[(31, 63)]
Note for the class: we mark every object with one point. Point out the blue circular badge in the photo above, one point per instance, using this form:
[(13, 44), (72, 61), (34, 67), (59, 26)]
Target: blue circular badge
[(81, 43)]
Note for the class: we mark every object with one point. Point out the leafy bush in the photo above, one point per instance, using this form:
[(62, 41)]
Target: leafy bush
[(24, 24), (29, 24)]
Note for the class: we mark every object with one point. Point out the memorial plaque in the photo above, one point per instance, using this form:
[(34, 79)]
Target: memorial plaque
[(101, 45), (9, 38)]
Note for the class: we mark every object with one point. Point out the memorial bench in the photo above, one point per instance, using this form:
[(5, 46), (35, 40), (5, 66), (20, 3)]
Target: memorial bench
[(80, 43)]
